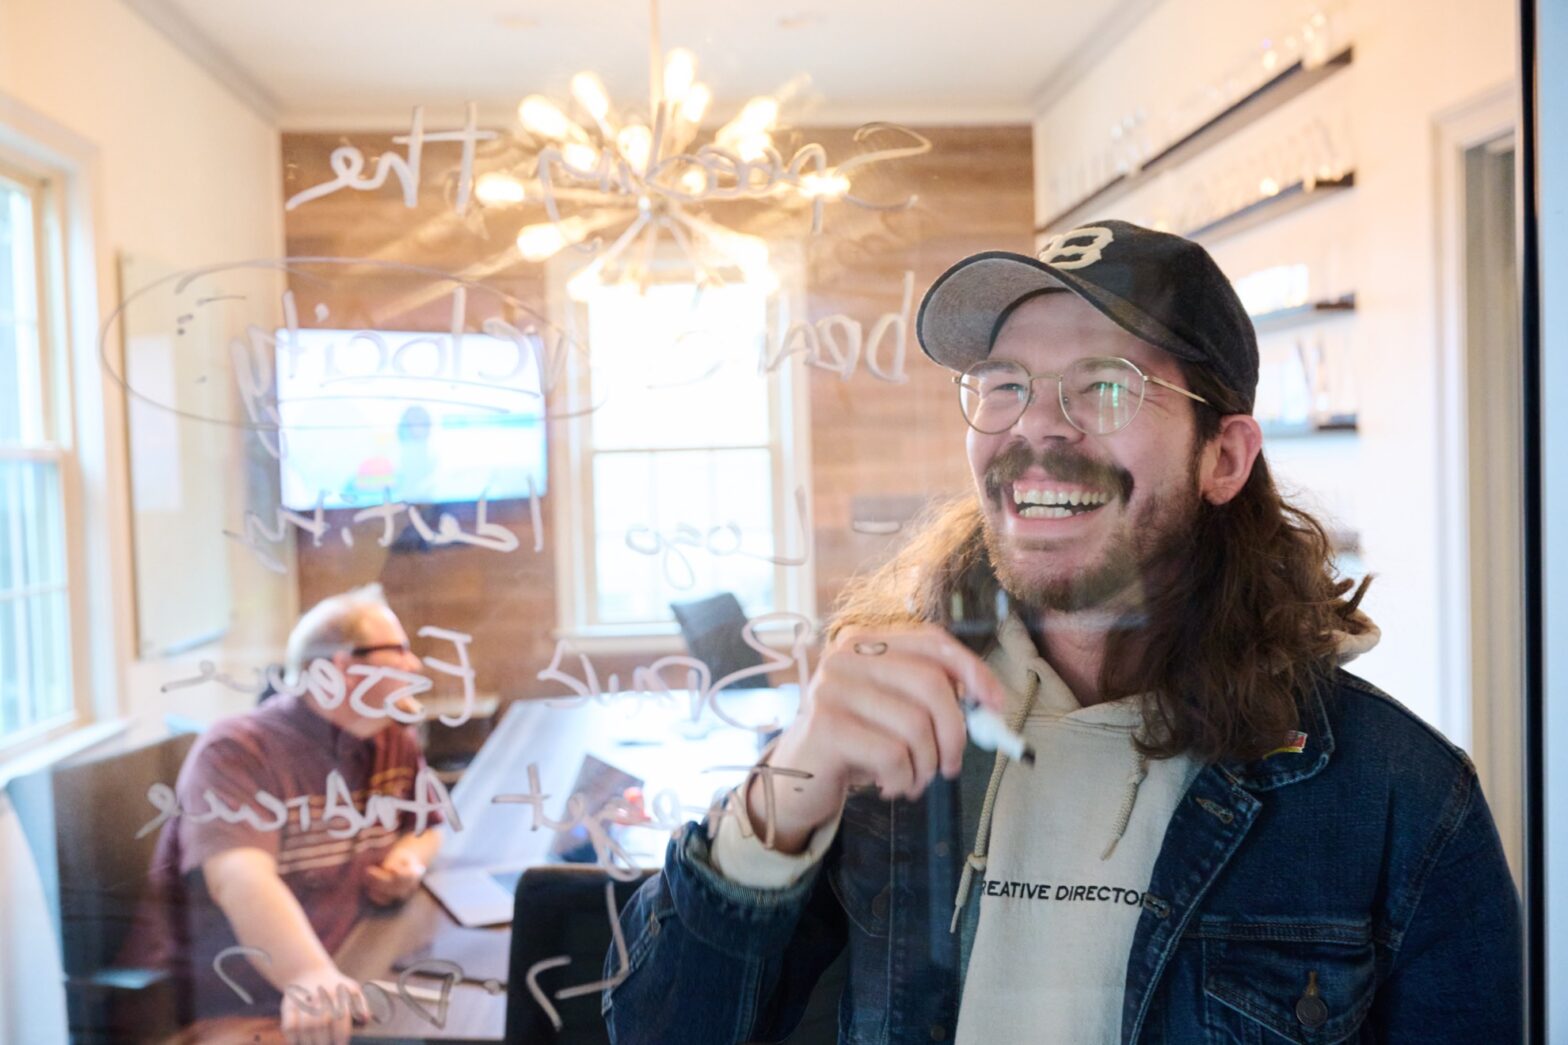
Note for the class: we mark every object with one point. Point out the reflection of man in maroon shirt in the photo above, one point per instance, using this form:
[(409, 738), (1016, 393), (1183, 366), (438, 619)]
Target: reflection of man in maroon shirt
[(294, 892)]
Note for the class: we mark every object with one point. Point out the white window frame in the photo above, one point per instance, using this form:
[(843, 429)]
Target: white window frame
[(84, 417), (1486, 720), (571, 479)]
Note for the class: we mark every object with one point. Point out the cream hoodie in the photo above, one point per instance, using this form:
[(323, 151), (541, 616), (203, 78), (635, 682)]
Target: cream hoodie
[(1062, 855)]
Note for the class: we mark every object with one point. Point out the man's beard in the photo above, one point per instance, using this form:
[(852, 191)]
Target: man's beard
[(1149, 544)]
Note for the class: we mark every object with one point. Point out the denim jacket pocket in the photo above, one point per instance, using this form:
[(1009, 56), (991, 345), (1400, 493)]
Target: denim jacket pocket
[(1305, 982), (859, 877)]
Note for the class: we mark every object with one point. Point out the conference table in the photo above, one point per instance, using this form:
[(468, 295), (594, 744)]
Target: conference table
[(675, 742)]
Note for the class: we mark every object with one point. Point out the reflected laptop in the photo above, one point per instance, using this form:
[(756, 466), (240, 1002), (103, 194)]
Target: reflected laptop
[(482, 896), (475, 896)]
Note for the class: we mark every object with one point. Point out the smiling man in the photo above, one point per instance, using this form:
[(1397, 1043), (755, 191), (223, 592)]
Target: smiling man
[(1224, 835)]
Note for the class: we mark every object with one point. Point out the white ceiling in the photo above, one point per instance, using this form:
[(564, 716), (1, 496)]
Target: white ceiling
[(339, 63)]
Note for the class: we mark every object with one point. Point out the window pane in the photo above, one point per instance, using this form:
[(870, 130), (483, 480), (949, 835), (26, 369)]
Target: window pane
[(668, 376), (38, 514), (50, 691), (35, 668), (10, 667), (10, 387), (15, 226), (10, 525), (623, 493), (20, 391), (50, 563), (745, 483), (677, 372), (683, 503), (10, 670), (630, 584)]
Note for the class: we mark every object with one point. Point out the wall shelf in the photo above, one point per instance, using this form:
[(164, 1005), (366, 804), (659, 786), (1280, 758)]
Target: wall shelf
[(1301, 315), (1291, 198), (1263, 100)]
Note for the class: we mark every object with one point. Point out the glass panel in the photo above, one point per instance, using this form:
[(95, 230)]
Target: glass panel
[(735, 279)]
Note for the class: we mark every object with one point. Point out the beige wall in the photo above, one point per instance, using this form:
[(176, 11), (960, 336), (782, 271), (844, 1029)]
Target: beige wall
[(182, 172)]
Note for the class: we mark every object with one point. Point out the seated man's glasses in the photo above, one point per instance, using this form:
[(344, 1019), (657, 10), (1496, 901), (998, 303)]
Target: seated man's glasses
[(1099, 395), (387, 647)]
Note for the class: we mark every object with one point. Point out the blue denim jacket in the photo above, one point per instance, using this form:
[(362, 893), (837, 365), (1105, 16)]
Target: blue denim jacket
[(1369, 858)]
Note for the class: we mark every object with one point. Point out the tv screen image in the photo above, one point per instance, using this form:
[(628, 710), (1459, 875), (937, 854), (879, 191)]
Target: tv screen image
[(419, 418)]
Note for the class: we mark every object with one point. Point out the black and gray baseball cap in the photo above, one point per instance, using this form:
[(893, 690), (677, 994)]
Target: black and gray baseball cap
[(1160, 287)]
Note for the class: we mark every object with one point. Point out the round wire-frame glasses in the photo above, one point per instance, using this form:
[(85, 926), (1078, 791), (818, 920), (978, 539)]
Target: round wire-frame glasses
[(1098, 395)]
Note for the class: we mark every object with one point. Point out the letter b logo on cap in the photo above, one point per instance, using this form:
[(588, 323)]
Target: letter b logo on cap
[(1064, 252)]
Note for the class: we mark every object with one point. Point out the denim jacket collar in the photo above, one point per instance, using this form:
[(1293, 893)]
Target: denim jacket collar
[(1287, 767)]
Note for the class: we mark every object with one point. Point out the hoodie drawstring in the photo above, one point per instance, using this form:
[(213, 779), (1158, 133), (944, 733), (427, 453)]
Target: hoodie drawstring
[(976, 860), (1124, 814)]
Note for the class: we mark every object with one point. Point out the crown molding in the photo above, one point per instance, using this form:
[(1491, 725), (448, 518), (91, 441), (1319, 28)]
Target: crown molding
[(1111, 31), (395, 120), (178, 29)]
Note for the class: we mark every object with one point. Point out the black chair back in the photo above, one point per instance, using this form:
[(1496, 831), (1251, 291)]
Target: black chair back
[(712, 630), (561, 911)]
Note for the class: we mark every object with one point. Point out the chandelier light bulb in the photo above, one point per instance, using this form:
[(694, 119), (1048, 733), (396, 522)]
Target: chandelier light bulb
[(497, 189), (680, 72), (829, 185), (547, 239), (759, 115), (580, 157), (753, 146), (605, 168), (695, 105), (589, 91), (540, 116), (635, 143), (747, 133)]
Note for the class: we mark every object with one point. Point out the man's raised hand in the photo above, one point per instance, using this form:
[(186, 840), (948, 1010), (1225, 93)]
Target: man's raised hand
[(881, 709)]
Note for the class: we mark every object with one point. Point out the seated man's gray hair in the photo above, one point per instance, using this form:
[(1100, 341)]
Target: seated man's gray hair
[(333, 624)]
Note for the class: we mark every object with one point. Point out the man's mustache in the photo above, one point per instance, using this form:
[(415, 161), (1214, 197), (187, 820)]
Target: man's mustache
[(1061, 465)]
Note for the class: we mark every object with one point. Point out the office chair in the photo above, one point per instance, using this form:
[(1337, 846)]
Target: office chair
[(712, 630), (80, 819), (560, 911)]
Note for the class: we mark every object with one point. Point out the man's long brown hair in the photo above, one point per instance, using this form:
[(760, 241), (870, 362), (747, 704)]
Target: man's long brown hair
[(1247, 619)]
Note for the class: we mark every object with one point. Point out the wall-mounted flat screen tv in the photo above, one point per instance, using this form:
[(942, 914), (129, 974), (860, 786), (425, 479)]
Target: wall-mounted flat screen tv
[(419, 418)]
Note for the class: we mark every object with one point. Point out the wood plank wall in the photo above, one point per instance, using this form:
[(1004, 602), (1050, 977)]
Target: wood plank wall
[(877, 447)]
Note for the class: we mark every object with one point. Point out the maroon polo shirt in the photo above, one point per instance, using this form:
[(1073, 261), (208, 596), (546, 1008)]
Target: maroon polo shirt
[(287, 750)]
